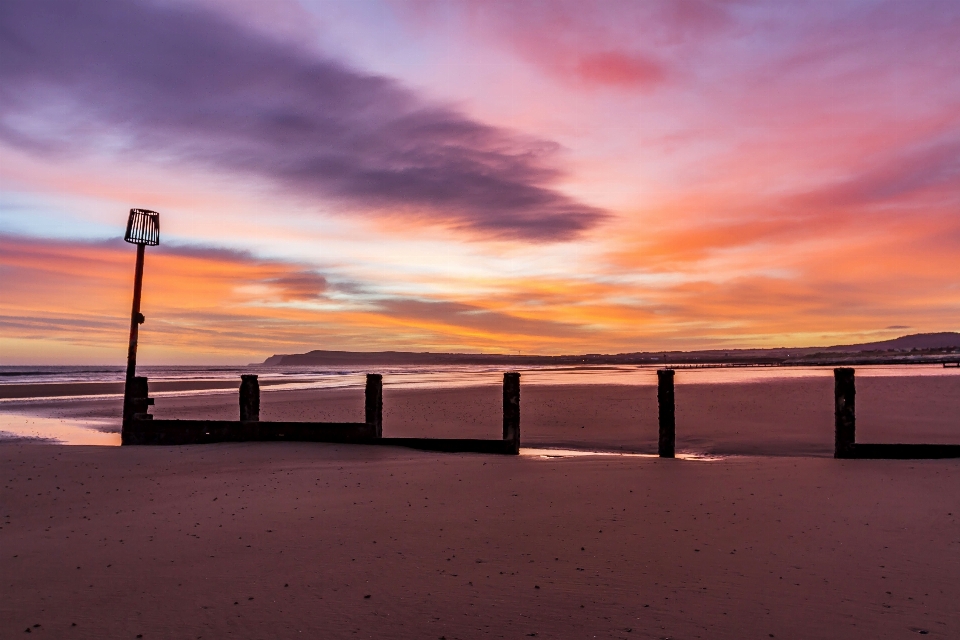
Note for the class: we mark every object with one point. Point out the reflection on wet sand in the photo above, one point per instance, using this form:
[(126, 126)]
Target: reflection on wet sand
[(554, 454), (14, 426)]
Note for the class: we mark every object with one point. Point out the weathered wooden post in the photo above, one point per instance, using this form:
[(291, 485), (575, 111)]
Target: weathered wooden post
[(511, 412), (136, 405), (373, 403), (845, 417), (668, 423), (140, 403), (143, 228), (249, 398)]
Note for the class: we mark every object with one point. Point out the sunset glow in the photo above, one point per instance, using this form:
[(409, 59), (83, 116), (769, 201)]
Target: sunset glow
[(555, 177)]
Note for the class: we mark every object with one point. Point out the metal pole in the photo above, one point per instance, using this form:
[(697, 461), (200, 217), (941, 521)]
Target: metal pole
[(135, 319)]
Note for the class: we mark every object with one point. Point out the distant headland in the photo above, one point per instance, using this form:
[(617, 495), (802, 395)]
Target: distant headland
[(918, 348)]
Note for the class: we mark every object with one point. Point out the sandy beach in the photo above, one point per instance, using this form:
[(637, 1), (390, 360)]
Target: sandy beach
[(289, 540), (723, 232)]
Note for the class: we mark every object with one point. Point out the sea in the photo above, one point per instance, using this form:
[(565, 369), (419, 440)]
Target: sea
[(25, 387)]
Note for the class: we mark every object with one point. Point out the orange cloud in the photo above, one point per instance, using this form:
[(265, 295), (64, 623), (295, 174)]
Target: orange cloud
[(216, 303)]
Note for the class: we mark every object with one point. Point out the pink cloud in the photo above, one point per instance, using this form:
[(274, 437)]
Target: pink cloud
[(619, 69), (616, 44)]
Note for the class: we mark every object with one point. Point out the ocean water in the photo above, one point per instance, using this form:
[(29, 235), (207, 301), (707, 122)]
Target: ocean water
[(22, 386)]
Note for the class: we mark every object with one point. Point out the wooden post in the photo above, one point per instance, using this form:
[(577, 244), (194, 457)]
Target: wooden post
[(249, 398), (845, 417), (139, 402), (373, 402), (136, 405), (511, 412), (668, 422)]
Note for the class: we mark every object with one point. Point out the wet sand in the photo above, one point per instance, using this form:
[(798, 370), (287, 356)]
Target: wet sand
[(63, 389), (780, 417), (294, 540)]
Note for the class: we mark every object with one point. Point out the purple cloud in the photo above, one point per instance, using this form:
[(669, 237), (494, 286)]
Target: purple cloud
[(933, 167), (469, 316), (184, 85), (295, 282)]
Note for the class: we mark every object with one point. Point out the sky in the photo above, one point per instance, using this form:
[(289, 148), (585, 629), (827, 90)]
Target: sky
[(500, 177)]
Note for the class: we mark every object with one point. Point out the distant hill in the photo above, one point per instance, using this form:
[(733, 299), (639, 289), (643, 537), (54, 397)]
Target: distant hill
[(920, 347), (942, 340)]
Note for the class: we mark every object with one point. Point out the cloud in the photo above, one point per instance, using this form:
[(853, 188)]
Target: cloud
[(208, 299), (619, 44), (49, 277), (474, 318), (927, 169), (619, 68), (179, 85), (304, 285)]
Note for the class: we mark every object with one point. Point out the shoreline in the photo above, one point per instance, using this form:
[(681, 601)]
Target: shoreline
[(40, 390), (640, 375)]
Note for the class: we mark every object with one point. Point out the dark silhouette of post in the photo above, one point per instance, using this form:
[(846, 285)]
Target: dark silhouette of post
[(136, 404), (135, 319), (845, 417), (373, 402), (511, 412), (249, 398), (668, 423), (139, 402), (143, 228)]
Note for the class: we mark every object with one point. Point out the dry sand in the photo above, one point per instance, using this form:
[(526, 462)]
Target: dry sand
[(287, 540)]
